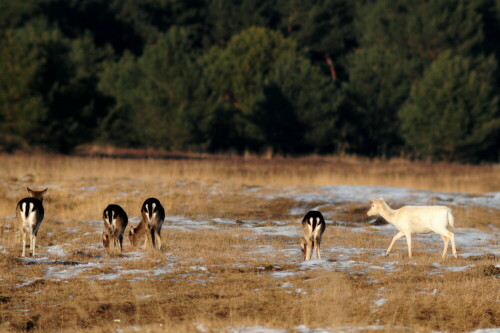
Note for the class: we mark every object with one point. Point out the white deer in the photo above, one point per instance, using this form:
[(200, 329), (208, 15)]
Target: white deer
[(416, 219)]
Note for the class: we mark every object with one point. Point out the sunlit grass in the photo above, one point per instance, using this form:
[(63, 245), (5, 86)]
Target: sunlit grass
[(222, 276)]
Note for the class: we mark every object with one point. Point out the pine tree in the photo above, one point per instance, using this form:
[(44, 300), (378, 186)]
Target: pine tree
[(453, 112)]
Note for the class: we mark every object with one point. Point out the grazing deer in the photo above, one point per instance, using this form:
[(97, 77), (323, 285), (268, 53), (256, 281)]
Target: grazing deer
[(313, 225), (416, 219), (115, 222), (30, 212), (136, 233), (153, 215)]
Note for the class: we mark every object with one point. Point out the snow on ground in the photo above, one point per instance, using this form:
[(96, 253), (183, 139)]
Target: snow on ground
[(305, 329), (470, 242), (363, 194)]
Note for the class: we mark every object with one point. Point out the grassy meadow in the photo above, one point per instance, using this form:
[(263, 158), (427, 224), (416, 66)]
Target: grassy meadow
[(231, 259)]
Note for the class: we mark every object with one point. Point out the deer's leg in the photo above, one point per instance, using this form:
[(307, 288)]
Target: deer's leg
[(120, 240), (318, 247), (303, 248), (408, 241), (24, 242), (158, 239), (309, 250), (147, 242), (33, 244), (445, 249), (451, 236), (394, 239), (153, 238)]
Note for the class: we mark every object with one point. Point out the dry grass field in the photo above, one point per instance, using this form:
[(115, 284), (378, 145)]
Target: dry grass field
[(231, 260)]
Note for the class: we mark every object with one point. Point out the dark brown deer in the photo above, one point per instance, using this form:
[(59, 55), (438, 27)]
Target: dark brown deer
[(30, 213), (313, 225), (115, 222)]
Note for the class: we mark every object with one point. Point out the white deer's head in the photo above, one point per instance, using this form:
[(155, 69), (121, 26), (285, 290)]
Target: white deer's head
[(378, 206)]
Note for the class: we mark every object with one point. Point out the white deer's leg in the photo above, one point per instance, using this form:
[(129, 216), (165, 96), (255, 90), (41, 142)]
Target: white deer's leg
[(408, 241), (394, 239), (451, 236), (445, 240)]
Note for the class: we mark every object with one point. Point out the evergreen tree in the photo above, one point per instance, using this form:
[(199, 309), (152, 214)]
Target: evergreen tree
[(272, 93), (48, 92), (324, 28), (453, 112), (21, 105), (154, 95), (379, 84), (422, 29)]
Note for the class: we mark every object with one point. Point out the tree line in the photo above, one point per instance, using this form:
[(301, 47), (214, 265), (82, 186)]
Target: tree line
[(415, 78)]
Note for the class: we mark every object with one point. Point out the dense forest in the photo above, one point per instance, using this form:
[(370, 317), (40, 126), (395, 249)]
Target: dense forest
[(414, 78)]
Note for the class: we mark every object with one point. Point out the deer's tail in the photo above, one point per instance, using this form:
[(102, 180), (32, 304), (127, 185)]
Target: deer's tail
[(451, 220)]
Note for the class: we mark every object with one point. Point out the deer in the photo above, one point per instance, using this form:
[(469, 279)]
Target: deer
[(416, 219), (313, 226), (115, 222), (30, 213), (153, 215)]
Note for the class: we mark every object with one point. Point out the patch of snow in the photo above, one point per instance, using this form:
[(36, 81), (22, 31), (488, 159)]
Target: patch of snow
[(349, 329), (286, 231), (89, 188), (283, 274), (55, 250), (224, 221), (256, 329), (199, 268), (59, 273), (380, 302), (363, 194), (454, 268)]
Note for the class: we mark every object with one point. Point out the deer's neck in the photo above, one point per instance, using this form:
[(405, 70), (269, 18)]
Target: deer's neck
[(388, 214)]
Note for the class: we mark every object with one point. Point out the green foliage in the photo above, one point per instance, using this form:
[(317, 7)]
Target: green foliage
[(453, 111), (21, 105), (153, 95), (324, 28), (422, 29), (379, 84), (292, 76), (275, 96), (228, 18), (47, 95)]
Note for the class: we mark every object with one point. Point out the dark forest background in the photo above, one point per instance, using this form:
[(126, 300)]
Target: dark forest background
[(382, 78)]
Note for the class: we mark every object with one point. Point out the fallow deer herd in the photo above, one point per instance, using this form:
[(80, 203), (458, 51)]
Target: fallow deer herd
[(408, 220)]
